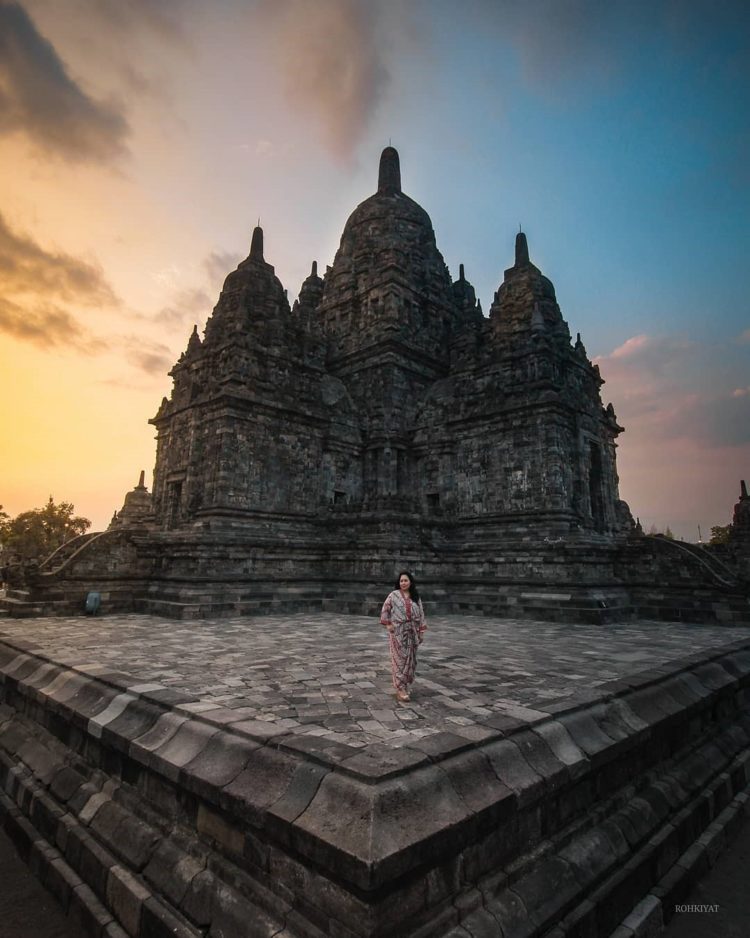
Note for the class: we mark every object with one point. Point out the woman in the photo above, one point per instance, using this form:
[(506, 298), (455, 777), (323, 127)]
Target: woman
[(403, 616)]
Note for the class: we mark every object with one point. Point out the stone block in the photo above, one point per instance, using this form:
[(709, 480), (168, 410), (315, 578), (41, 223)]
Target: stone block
[(480, 923), (321, 749), (563, 747), (190, 739), (66, 783), (590, 855), (106, 821), (40, 857), (665, 848), (93, 805), (514, 770), (197, 903), (302, 787), (263, 781), (171, 870), (136, 720), (90, 698), (45, 814), (220, 761), (588, 735), (221, 829), (581, 921), (541, 758), (162, 796), (65, 824), (113, 930), (163, 730), (259, 730), (159, 922), (713, 676), (90, 860), (44, 763), (82, 796), (86, 910), (511, 914), (546, 889), (61, 881), (369, 834), (440, 745), (112, 711), (672, 889), (472, 777), (13, 736), (234, 916), (379, 761), (126, 896)]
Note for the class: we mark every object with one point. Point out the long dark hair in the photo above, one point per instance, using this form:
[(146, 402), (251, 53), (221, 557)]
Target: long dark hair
[(413, 591)]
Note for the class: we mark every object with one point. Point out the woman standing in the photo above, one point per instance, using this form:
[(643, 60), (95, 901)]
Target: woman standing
[(403, 616)]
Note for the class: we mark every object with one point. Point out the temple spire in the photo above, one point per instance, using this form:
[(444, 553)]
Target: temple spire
[(522, 250), (314, 271), (389, 173), (256, 245), (142, 480)]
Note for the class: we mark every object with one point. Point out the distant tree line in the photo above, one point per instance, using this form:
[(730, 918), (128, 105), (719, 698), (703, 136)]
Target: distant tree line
[(720, 534), (33, 535)]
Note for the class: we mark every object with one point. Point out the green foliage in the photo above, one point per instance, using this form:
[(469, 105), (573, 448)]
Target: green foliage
[(720, 533), (33, 535)]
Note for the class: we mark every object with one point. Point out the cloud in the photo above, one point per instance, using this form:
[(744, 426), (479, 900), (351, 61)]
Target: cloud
[(667, 388), (40, 99), (46, 327), (27, 268), (154, 361), (36, 284), (744, 337), (185, 307), (126, 45), (332, 65), (218, 264)]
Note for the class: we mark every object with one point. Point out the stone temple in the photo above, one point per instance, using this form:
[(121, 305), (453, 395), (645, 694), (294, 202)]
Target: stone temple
[(229, 776), (309, 451)]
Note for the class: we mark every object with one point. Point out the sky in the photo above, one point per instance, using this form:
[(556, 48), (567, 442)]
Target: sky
[(141, 141)]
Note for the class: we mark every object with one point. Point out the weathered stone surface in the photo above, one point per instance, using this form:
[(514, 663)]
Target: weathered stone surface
[(171, 870), (222, 759), (126, 897), (382, 841), (513, 770), (379, 761), (236, 917)]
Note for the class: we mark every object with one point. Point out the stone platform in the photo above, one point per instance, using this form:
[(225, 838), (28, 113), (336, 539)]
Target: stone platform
[(255, 776)]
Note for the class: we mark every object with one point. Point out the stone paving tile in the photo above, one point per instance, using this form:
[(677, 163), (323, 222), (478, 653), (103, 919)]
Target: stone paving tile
[(328, 676)]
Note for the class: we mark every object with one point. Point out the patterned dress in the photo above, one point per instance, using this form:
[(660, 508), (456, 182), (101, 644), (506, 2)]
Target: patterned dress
[(409, 625)]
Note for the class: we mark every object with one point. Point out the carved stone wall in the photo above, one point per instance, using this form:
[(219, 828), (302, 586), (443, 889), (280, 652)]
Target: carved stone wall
[(385, 386)]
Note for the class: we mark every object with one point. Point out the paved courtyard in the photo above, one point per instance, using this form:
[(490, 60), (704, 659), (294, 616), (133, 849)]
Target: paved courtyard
[(328, 675)]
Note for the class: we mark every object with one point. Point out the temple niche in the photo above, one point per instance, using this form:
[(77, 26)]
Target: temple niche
[(385, 388), (382, 421)]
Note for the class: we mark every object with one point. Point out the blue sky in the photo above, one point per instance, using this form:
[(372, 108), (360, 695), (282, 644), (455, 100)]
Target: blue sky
[(141, 141)]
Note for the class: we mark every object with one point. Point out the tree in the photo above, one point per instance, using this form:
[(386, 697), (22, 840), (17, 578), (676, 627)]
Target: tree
[(720, 533), (33, 535)]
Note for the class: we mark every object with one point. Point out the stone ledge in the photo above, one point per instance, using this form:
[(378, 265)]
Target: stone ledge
[(368, 822)]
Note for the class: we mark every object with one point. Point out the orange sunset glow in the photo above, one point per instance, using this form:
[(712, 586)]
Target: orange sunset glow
[(140, 142)]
